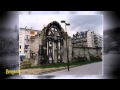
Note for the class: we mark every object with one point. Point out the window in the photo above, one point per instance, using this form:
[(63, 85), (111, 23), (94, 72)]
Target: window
[(25, 51), (50, 51), (50, 42), (26, 36), (20, 46), (27, 32), (49, 33), (55, 29), (84, 35), (26, 46), (74, 37), (77, 36)]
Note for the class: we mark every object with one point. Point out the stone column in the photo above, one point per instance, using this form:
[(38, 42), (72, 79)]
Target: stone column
[(53, 50), (59, 50), (47, 48), (55, 53)]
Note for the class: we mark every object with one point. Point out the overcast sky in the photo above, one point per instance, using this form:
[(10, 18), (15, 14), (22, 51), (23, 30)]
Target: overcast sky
[(77, 22)]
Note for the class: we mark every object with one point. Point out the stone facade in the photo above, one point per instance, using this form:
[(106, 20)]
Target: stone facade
[(47, 49), (85, 52)]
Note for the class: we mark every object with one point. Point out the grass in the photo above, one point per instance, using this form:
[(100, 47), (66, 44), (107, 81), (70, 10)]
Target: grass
[(62, 64)]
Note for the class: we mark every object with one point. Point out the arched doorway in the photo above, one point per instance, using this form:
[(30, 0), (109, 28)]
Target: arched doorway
[(53, 43)]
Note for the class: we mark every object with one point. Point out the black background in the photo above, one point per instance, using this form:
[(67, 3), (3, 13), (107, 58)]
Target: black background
[(85, 5)]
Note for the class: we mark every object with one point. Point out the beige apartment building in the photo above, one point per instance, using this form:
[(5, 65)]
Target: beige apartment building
[(87, 39), (25, 36)]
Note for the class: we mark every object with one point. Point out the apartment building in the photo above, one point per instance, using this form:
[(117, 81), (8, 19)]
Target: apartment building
[(98, 40), (25, 37), (83, 39), (87, 39)]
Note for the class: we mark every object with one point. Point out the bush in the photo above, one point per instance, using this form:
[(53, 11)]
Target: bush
[(95, 58), (25, 64), (79, 59)]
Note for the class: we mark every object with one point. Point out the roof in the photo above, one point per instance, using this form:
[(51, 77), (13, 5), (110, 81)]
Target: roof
[(30, 29), (97, 34)]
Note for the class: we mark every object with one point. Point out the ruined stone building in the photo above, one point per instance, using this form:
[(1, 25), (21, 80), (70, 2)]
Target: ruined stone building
[(49, 45)]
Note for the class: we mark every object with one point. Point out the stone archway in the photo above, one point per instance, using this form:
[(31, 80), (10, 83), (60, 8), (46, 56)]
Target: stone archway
[(52, 43)]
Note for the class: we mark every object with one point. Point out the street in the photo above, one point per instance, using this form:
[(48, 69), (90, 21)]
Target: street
[(89, 69), (111, 62)]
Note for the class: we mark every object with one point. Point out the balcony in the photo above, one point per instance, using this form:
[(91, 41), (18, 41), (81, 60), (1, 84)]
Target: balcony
[(32, 37), (27, 39), (95, 41), (27, 43), (96, 38)]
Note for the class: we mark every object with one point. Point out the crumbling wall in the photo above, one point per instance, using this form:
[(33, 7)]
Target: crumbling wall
[(87, 53), (35, 48), (64, 50)]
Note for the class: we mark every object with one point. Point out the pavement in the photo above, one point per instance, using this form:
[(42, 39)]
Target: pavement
[(89, 69), (112, 63)]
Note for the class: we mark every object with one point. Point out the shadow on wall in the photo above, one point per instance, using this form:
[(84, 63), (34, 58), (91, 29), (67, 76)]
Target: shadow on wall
[(112, 41), (9, 50)]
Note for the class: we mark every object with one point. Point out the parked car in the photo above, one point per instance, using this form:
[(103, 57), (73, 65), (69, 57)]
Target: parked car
[(21, 56)]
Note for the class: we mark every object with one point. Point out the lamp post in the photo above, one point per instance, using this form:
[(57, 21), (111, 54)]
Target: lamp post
[(66, 24)]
